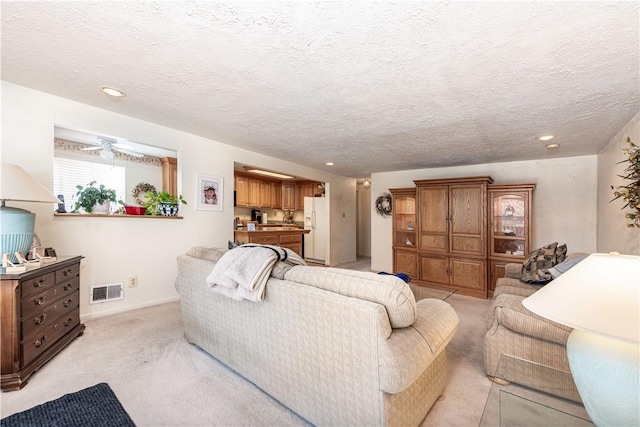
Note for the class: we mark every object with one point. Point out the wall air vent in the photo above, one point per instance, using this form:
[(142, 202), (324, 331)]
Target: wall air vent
[(108, 292)]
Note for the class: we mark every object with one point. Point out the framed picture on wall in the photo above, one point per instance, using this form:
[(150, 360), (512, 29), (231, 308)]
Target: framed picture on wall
[(209, 192)]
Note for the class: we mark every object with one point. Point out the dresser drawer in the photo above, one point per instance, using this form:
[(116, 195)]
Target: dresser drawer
[(37, 302), (33, 346), (265, 240), (42, 319), (291, 238), (67, 273), (37, 284)]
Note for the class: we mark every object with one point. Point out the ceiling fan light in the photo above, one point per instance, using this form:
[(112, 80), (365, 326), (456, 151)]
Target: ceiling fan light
[(107, 154)]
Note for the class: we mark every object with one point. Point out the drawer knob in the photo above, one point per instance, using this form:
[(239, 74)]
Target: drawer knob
[(40, 319), (67, 273), (39, 301), (38, 283), (41, 341), (68, 302), (68, 286), (67, 322)]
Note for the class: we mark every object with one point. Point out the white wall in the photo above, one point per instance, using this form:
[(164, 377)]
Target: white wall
[(118, 248), (613, 233), (564, 201), (364, 221)]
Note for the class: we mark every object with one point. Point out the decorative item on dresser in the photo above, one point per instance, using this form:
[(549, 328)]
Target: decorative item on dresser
[(40, 317)]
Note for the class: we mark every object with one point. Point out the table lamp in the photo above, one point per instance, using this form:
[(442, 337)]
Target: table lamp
[(17, 225), (600, 299)]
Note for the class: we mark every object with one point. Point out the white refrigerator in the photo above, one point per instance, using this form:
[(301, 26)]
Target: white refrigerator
[(316, 219)]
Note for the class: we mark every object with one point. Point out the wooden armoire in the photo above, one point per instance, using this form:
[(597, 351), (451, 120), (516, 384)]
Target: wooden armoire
[(458, 233), (452, 233)]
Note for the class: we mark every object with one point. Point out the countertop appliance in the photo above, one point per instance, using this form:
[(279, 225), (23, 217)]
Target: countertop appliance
[(316, 219), (256, 215)]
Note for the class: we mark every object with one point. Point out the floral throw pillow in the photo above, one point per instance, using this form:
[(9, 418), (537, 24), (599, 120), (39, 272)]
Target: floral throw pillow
[(535, 268)]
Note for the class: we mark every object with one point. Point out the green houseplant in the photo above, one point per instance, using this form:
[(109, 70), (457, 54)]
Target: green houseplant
[(630, 192), (162, 203), (92, 197)]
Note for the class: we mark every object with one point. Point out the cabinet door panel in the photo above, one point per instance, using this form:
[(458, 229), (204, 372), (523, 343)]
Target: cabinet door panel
[(433, 205), (242, 191), (254, 193), (433, 209), (471, 245), (434, 269), (469, 274), (467, 219), (405, 262), (432, 242), (467, 210)]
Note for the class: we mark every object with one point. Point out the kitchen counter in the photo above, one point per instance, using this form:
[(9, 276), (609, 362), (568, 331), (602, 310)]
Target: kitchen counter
[(288, 237)]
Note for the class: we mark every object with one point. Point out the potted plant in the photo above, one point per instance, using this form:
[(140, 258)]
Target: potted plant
[(94, 199), (162, 203)]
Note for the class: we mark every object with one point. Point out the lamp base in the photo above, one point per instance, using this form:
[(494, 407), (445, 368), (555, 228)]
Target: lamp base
[(16, 230), (607, 374)]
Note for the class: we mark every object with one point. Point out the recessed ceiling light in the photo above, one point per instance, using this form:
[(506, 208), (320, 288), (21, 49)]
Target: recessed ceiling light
[(329, 163), (269, 173), (112, 91), (553, 146), (546, 137)]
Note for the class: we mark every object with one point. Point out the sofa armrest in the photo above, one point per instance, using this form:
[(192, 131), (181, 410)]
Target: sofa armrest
[(513, 270), (405, 355), (507, 311)]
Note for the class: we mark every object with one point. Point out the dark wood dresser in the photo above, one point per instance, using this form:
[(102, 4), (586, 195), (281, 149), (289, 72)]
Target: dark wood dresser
[(39, 317)]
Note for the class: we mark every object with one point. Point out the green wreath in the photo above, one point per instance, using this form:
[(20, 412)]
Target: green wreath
[(383, 204), (143, 187)]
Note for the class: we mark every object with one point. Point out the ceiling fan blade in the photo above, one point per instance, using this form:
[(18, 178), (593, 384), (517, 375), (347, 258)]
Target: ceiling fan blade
[(131, 153)]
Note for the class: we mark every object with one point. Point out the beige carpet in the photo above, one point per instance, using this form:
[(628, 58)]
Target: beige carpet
[(163, 381)]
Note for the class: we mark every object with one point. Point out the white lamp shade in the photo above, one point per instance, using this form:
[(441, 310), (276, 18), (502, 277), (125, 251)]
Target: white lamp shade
[(601, 294), (18, 185)]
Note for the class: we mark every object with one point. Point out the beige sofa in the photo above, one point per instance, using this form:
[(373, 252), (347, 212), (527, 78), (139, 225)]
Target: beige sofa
[(350, 348), (522, 347)]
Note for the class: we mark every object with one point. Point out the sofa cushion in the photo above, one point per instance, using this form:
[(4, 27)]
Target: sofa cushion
[(565, 265), (390, 291), (209, 254), (535, 268)]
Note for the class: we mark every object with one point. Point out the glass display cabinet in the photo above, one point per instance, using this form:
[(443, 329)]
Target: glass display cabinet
[(403, 210), (509, 227)]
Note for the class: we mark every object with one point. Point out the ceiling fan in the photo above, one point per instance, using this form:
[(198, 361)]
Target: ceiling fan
[(107, 145)]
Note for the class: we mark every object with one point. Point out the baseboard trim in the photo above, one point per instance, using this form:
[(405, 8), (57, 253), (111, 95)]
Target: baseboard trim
[(91, 316)]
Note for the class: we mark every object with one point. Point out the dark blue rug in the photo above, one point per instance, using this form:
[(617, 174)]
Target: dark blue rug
[(96, 406)]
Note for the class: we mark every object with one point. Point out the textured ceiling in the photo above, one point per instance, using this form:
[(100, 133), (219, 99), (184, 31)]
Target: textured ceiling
[(371, 86)]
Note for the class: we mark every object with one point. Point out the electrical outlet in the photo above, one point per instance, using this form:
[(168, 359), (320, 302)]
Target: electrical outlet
[(133, 282)]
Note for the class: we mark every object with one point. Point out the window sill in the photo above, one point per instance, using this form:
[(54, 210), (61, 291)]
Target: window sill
[(92, 215)]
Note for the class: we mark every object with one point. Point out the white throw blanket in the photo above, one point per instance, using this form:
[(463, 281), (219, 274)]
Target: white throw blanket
[(242, 273)]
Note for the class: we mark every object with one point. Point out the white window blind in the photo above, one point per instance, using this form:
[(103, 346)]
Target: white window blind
[(67, 173)]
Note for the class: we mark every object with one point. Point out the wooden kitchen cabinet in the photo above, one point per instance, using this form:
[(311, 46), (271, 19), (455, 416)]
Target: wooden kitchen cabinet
[(242, 190), (40, 317), (254, 193), (265, 194), (288, 196), (304, 189), (276, 195)]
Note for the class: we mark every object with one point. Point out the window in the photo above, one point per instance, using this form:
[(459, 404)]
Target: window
[(67, 173)]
